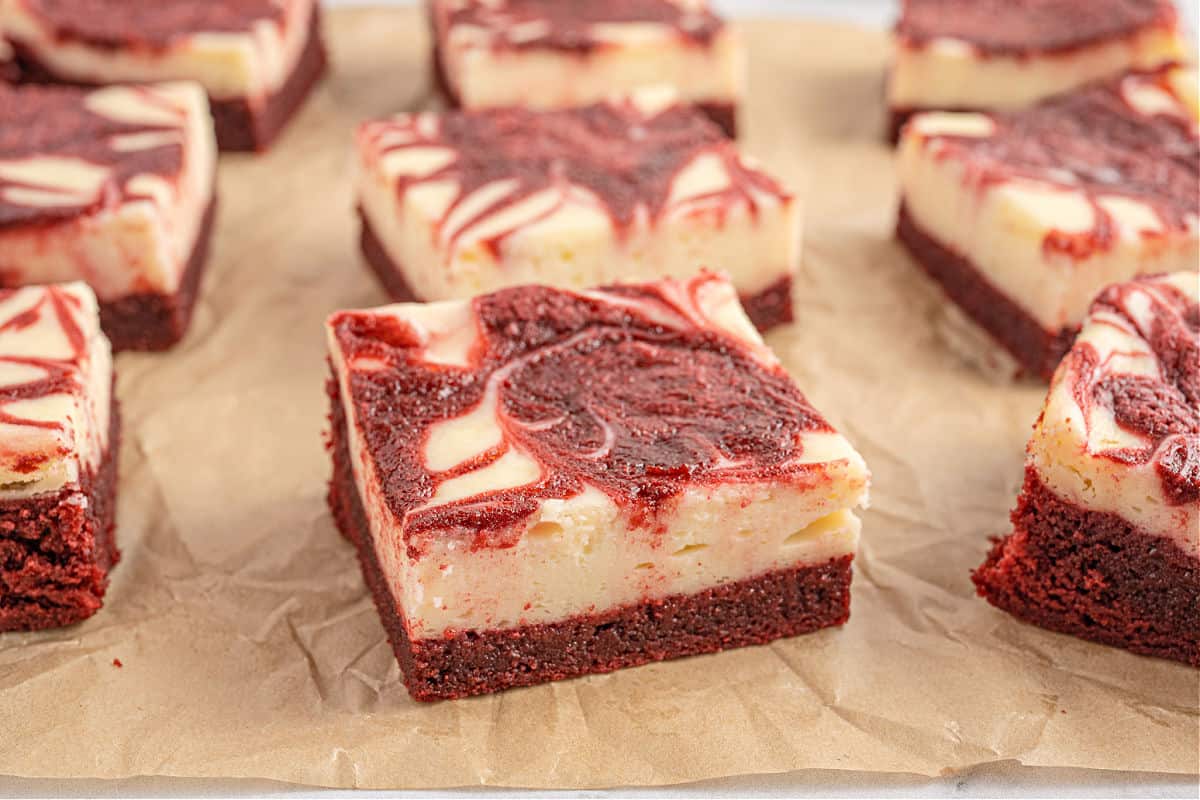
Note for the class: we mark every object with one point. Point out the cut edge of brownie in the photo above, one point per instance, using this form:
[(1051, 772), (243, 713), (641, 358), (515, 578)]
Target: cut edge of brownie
[(238, 127), (1094, 575), (153, 321), (70, 537), (757, 611), (1011, 327), (767, 309)]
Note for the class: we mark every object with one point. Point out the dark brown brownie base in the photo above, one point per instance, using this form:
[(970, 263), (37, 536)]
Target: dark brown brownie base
[(1095, 576), (151, 321), (725, 115), (772, 306), (1035, 350), (56, 553), (242, 129), (767, 309), (238, 126), (751, 612)]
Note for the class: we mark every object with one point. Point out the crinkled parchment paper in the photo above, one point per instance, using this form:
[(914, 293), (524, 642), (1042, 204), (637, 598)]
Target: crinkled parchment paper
[(251, 649)]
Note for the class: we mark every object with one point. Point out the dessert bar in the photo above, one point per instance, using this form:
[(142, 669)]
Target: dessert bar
[(257, 59), (544, 483), (1105, 533), (465, 202), (113, 186), (564, 53), (1002, 55), (59, 430), (1023, 217)]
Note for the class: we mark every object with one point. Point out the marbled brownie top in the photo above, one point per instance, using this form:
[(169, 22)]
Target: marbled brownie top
[(477, 412), (55, 377), (65, 151), (514, 167), (579, 25), (1120, 152), (1024, 27), (1135, 376), (154, 24)]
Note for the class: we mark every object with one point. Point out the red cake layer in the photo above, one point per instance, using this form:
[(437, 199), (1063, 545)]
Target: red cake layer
[(238, 126), (751, 612), (723, 114), (1036, 350), (1094, 575), (1029, 27), (151, 321), (767, 309), (55, 553)]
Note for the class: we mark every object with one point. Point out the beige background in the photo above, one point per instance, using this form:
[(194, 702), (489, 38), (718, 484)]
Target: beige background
[(251, 649)]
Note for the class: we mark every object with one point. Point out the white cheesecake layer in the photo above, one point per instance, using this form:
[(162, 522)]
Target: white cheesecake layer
[(565, 236), (142, 235), (249, 65), (1073, 444), (951, 74), (582, 555), (48, 439), (1001, 227), (635, 56)]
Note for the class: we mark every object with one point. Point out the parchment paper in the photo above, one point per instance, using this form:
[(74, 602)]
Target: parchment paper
[(250, 647)]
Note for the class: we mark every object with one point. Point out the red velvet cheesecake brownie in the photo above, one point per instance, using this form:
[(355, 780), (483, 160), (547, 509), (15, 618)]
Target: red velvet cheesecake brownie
[(1002, 55), (564, 53), (544, 483), (1106, 539), (466, 202), (112, 186), (1023, 217), (59, 431), (257, 59)]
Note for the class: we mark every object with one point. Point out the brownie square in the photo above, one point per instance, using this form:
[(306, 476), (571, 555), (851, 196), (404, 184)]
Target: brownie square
[(544, 483), (58, 468), (1106, 533)]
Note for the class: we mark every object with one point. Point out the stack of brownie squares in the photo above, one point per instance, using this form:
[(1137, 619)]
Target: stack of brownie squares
[(545, 479), (566, 447), (1048, 165), (111, 116)]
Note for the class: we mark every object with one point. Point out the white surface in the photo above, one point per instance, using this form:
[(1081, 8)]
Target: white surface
[(1005, 780)]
